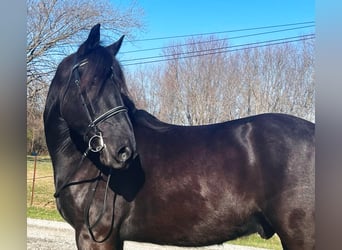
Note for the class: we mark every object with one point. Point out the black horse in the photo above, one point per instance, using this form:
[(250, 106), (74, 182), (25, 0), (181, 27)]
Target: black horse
[(121, 174)]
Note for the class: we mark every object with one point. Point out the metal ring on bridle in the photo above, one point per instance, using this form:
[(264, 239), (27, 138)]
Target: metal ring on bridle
[(95, 143)]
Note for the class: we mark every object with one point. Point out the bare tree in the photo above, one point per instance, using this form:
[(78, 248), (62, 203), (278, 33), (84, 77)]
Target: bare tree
[(144, 88), (55, 28), (193, 81), (279, 79), (202, 84)]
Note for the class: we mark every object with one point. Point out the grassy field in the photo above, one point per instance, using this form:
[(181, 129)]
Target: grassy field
[(43, 205)]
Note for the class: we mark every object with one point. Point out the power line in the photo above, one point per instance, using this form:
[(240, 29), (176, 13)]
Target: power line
[(221, 39), (308, 24), (214, 49), (227, 50), (221, 32)]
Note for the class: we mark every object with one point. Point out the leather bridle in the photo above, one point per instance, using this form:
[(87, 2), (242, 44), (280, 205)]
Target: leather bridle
[(95, 143)]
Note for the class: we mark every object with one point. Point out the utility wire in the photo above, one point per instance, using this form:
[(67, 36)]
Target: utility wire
[(221, 32), (214, 49), (227, 50), (217, 40)]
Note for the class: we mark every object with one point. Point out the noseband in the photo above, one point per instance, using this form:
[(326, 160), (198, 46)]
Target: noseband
[(95, 143)]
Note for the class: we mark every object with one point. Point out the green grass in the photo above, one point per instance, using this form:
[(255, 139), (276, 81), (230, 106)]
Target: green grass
[(255, 240), (43, 203), (43, 213), (44, 207)]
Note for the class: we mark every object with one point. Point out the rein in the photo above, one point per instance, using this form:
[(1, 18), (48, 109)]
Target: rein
[(104, 207), (67, 183)]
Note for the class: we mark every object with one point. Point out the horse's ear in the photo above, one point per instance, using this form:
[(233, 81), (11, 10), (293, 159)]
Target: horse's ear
[(115, 47), (92, 40)]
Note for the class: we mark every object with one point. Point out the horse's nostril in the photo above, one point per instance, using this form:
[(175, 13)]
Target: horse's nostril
[(124, 154)]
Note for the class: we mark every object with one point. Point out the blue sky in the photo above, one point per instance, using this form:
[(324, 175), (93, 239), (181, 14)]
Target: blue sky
[(164, 18)]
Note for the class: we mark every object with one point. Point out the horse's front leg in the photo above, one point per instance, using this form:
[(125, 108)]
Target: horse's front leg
[(84, 241)]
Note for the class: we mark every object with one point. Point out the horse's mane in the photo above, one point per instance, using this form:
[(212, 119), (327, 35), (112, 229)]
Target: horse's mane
[(100, 56), (137, 115), (142, 117), (120, 78), (150, 121)]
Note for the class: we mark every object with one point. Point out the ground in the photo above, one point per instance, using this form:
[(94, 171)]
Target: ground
[(53, 235)]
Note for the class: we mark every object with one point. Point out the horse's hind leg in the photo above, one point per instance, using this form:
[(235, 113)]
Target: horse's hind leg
[(85, 242), (294, 225)]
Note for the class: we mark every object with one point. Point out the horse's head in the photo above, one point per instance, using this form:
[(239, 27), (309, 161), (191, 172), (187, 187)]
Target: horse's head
[(91, 103)]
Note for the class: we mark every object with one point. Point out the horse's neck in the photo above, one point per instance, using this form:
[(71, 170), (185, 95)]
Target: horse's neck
[(144, 120), (62, 150)]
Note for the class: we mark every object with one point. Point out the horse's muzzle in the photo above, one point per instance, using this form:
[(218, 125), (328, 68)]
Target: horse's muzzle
[(117, 159)]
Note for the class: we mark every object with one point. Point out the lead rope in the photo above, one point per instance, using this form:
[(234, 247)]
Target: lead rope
[(103, 210)]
